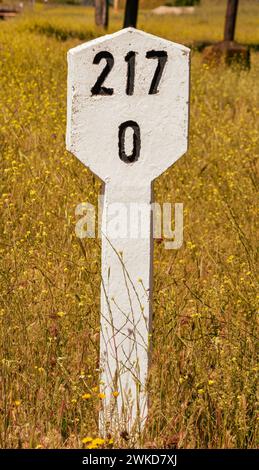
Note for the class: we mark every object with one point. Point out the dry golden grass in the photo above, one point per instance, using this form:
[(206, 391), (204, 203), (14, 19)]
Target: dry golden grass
[(206, 25), (203, 374)]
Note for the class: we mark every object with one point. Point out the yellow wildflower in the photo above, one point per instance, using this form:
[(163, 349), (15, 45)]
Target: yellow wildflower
[(87, 439), (61, 314), (86, 396), (98, 441)]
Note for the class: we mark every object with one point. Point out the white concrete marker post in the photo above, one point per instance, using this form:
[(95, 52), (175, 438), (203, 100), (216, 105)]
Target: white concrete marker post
[(127, 120)]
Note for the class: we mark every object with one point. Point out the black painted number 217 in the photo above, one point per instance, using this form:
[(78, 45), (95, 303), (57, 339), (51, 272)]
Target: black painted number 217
[(130, 58)]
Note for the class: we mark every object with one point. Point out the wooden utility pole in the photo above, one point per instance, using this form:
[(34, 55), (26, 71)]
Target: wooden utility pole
[(230, 23), (102, 13), (131, 13)]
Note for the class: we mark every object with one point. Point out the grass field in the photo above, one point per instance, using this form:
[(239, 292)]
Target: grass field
[(206, 25), (204, 372)]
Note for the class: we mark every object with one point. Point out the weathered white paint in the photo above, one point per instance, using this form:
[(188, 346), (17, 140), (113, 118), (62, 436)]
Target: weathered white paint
[(92, 135)]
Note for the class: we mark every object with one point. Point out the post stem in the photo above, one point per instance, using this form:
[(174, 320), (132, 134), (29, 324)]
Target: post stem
[(127, 255)]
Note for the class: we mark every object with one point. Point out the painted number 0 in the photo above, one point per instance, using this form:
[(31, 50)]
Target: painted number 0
[(136, 142)]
